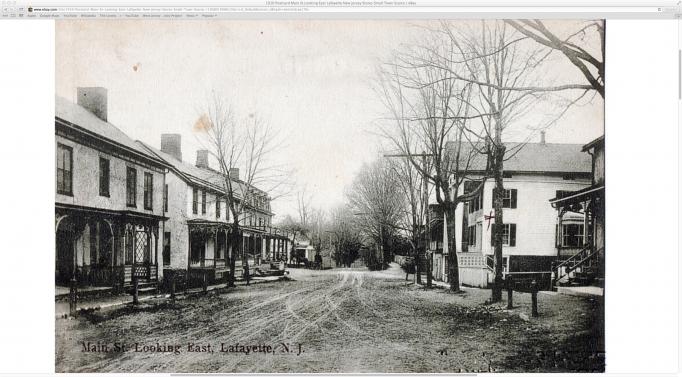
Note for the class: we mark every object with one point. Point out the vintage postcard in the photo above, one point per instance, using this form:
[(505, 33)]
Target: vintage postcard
[(329, 196)]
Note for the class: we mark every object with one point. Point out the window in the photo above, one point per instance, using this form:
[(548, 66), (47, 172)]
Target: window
[(572, 235), (476, 203), (195, 200), (509, 198), (471, 235), (103, 177), (166, 248), (508, 235), (129, 244), (165, 198), (217, 207), (148, 190), (131, 187), (64, 169), (203, 202)]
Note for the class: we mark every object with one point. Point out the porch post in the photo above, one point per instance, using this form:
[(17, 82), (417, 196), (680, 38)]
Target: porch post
[(558, 233), (585, 224)]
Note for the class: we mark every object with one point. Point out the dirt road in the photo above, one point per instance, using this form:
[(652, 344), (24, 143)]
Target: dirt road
[(333, 321)]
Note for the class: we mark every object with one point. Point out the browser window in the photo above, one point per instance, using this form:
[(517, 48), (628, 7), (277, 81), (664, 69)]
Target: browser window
[(340, 187)]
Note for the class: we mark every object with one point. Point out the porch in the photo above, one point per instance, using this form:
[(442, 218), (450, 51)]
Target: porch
[(100, 248), (209, 252), (586, 266)]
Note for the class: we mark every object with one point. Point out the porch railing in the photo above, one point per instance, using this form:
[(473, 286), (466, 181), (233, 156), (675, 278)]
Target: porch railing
[(569, 265), (103, 276), (203, 263)]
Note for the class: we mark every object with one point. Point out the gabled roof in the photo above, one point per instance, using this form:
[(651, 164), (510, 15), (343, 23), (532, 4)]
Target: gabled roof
[(593, 143), (205, 177), (537, 158), (80, 118)]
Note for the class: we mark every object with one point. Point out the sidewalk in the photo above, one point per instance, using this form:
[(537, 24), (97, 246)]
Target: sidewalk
[(62, 307), (587, 291)]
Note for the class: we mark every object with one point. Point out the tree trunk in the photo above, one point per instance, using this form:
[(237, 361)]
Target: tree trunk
[(429, 272), (245, 264), (499, 221), (234, 249), (417, 266), (453, 263)]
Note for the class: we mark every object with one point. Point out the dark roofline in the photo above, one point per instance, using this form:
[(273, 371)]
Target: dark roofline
[(593, 143), (184, 176), (587, 174), (151, 158), (189, 178)]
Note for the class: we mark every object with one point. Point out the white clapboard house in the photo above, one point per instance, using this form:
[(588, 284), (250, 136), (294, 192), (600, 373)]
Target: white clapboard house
[(533, 240)]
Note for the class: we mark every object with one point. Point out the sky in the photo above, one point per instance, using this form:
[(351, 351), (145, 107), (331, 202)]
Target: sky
[(311, 80)]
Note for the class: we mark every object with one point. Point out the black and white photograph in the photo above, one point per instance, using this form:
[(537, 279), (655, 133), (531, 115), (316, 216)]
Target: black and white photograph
[(330, 196)]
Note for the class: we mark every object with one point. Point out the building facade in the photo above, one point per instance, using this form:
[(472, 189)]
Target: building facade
[(586, 266), (196, 238), (109, 217), (533, 238)]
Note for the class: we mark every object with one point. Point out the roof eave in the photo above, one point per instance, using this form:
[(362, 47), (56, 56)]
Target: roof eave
[(113, 143)]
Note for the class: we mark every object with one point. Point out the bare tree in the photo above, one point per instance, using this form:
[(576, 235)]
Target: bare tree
[(413, 222), (427, 121), (376, 200), (295, 229), (303, 206), (244, 148), (346, 236), (302, 226), (482, 78), (318, 227), (506, 86), (590, 64)]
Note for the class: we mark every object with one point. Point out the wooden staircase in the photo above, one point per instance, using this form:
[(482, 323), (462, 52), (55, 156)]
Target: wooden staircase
[(585, 268)]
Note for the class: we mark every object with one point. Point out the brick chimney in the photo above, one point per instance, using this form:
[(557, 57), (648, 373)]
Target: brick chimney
[(94, 99), (202, 158), (542, 137), (171, 144), (234, 173)]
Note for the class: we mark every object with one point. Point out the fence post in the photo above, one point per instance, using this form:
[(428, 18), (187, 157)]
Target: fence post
[(534, 297), (73, 295), (510, 292), (172, 287), (204, 283), (135, 289)]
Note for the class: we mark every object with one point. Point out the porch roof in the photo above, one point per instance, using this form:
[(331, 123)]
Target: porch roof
[(208, 222), (578, 196), (110, 212)]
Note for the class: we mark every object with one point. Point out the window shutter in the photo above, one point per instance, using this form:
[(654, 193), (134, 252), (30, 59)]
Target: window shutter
[(492, 234), (513, 198), (481, 196), (512, 234), (556, 235)]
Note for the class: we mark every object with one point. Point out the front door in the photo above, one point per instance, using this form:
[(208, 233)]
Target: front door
[(64, 268)]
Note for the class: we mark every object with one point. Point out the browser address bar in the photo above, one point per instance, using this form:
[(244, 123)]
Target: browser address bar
[(322, 7)]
